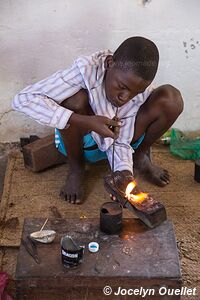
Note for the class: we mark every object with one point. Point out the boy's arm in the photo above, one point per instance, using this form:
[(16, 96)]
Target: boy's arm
[(41, 101), (123, 157)]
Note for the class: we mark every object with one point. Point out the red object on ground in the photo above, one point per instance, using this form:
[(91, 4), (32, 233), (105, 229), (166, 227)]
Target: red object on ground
[(3, 283)]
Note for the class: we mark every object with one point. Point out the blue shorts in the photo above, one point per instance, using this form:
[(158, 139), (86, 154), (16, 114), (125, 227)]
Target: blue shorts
[(91, 151)]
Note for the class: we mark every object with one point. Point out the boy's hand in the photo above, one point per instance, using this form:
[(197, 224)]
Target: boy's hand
[(128, 175), (122, 179), (102, 125), (115, 129)]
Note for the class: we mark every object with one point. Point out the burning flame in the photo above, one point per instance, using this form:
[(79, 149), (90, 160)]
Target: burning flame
[(134, 198), (130, 187)]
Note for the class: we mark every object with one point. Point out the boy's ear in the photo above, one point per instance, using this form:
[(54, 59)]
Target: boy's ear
[(108, 63)]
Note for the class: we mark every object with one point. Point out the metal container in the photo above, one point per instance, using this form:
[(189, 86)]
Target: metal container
[(111, 218), (197, 170), (71, 253)]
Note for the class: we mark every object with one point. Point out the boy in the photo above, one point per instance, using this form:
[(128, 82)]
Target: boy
[(84, 99)]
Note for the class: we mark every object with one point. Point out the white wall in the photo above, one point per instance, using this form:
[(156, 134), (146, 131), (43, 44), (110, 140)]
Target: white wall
[(38, 37)]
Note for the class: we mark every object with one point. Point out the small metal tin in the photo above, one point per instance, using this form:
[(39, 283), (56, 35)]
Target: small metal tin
[(71, 253), (111, 218), (197, 170), (93, 247)]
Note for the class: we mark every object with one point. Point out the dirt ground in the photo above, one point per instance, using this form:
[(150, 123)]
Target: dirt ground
[(35, 195)]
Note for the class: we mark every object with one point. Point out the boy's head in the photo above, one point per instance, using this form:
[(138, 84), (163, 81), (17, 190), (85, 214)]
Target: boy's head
[(130, 70)]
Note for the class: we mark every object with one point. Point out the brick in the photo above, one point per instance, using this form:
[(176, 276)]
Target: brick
[(42, 154)]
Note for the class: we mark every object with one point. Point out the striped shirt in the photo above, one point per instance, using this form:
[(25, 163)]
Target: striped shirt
[(41, 102)]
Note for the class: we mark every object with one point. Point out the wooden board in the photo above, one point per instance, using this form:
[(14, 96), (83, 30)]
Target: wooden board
[(137, 257)]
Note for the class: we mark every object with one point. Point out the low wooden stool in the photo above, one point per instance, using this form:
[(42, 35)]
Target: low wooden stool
[(137, 258)]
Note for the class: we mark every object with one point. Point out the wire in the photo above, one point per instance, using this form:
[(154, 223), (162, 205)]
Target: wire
[(113, 164), (113, 153)]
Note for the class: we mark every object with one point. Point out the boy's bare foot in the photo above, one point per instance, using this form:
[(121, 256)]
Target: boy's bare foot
[(72, 191), (153, 173)]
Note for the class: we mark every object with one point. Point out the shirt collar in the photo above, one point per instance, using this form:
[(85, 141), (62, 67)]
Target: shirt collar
[(101, 68)]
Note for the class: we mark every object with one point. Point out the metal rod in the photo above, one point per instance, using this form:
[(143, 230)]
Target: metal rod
[(113, 161), (113, 165)]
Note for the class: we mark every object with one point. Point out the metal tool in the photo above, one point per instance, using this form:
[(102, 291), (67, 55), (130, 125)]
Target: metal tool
[(31, 248), (113, 162), (151, 212)]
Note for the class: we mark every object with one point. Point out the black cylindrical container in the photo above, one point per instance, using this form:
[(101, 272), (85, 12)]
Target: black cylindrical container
[(197, 170), (71, 253), (111, 218)]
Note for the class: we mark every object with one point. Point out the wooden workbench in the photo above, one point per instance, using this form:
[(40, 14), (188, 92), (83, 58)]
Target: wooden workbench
[(139, 257)]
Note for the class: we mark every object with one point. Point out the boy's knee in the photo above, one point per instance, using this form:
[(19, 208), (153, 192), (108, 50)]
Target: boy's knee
[(169, 100), (78, 103), (170, 88)]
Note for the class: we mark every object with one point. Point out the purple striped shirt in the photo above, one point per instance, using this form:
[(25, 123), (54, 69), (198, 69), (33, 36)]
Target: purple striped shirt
[(41, 102)]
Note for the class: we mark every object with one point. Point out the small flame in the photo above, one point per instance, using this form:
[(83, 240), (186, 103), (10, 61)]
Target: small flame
[(134, 198), (130, 187), (138, 198)]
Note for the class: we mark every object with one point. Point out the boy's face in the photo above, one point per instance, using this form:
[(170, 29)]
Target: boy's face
[(121, 86)]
